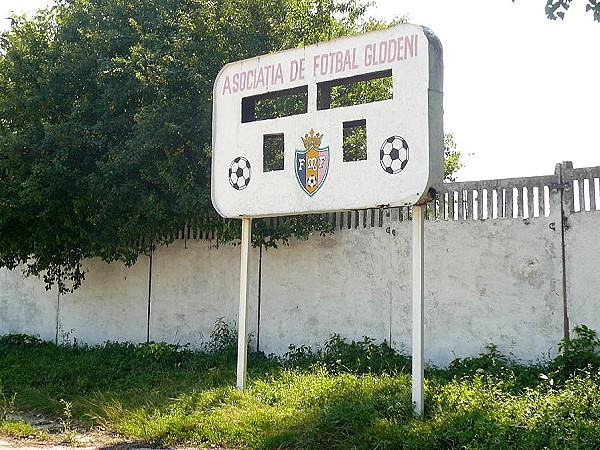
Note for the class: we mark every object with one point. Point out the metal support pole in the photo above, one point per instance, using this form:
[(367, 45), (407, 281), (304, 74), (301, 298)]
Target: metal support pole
[(418, 279), (149, 304), (564, 226), (242, 357)]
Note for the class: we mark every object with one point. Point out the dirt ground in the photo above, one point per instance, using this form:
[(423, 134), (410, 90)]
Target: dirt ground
[(88, 441), (79, 438)]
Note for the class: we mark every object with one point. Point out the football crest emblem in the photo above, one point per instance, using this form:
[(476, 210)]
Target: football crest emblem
[(312, 163)]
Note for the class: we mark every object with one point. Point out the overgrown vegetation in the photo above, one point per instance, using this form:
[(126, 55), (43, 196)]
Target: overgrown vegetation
[(346, 395)]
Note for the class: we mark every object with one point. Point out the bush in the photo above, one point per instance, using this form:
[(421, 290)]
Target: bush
[(489, 361), (223, 338), (10, 342), (357, 357), (362, 356), (577, 354)]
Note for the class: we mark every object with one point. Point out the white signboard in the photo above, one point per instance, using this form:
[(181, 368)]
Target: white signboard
[(348, 124)]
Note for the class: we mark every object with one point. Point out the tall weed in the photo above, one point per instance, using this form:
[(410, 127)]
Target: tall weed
[(340, 356), (582, 353), (7, 402)]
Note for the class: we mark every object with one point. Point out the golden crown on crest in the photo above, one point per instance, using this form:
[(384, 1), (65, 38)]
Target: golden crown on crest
[(312, 140)]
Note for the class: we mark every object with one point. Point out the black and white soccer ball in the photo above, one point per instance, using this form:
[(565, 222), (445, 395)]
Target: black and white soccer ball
[(239, 173), (311, 181), (394, 154)]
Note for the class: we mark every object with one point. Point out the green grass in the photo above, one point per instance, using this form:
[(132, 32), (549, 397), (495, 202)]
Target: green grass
[(21, 429), (350, 395)]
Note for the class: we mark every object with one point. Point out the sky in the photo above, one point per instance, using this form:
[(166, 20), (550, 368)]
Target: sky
[(520, 91)]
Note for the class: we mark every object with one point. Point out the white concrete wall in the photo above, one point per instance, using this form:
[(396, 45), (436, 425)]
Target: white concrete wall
[(495, 281), (194, 284), (487, 281), (26, 307), (583, 269), (334, 284), (110, 305)]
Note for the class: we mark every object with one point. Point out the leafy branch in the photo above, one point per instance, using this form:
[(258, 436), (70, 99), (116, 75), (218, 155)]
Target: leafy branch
[(558, 8)]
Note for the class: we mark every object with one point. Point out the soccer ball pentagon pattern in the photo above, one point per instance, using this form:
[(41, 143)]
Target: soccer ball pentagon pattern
[(239, 173), (394, 154), (311, 181)]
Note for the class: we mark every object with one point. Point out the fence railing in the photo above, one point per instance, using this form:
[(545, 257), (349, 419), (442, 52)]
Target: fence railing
[(494, 199), (510, 198), (577, 190), (584, 184)]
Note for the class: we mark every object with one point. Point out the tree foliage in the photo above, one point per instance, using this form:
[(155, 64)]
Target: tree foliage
[(105, 122), (451, 158), (557, 8)]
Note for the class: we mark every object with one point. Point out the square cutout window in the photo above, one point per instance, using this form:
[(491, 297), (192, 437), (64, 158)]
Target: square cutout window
[(358, 90), (273, 105), (273, 145), (355, 140)]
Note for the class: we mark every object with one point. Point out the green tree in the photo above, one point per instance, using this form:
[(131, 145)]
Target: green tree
[(557, 8), (451, 158), (105, 122)]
